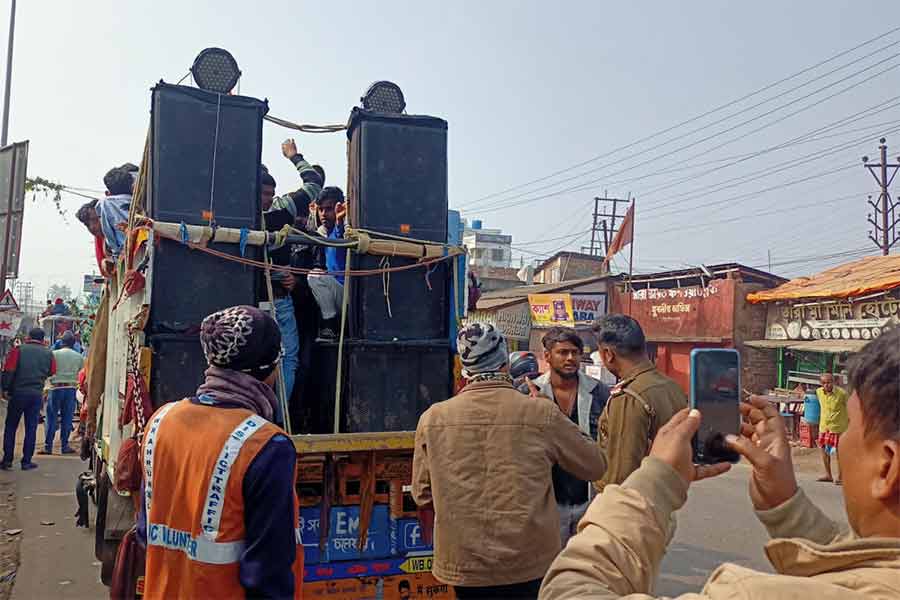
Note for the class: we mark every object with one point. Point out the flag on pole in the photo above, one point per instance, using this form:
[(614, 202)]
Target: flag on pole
[(623, 237)]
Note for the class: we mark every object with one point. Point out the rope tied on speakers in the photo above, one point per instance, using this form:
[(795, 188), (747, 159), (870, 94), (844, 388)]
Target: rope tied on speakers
[(212, 178), (385, 264), (242, 244), (305, 128)]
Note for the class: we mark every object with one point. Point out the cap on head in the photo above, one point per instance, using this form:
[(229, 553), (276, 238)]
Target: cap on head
[(242, 338), (482, 349), (36, 334)]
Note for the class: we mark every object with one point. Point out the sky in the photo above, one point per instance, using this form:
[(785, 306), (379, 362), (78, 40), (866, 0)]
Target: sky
[(530, 90)]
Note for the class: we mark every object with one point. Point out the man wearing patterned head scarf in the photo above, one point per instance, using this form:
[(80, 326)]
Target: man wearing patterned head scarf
[(219, 513), (482, 462)]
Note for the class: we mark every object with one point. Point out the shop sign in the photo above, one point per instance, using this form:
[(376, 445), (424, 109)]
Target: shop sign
[(693, 312), (514, 322), (551, 310), (832, 320), (587, 308)]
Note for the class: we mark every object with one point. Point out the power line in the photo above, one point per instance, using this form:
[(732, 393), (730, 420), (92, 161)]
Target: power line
[(692, 119), (704, 127), (758, 214), (588, 184)]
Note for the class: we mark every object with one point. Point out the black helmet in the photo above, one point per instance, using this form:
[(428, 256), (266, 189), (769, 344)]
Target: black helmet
[(522, 364)]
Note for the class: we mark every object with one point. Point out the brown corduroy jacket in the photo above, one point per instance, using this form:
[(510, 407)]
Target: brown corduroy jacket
[(484, 459)]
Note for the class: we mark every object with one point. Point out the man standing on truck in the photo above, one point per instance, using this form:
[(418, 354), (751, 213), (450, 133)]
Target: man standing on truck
[(278, 212), (581, 398), (639, 404), (328, 286), (61, 400), (220, 514), (26, 370), (483, 461)]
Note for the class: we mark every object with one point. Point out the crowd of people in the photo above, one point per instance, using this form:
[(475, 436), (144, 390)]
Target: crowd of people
[(549, 485), (307, 308), (503, 462)]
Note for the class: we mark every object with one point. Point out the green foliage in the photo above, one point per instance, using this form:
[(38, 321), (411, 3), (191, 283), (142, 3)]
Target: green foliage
[(38, 186)]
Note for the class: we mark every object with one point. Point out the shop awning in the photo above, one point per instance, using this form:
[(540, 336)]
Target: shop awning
[(769, 343), (827, 346), (858, 278)]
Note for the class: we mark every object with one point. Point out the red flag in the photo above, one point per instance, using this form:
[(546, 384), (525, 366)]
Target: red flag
[(624, 236)]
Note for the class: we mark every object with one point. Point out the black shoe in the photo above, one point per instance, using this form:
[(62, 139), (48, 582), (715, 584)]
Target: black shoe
[(45, 452), (69, 451), (326, 334), (27, 466), (6, 466)]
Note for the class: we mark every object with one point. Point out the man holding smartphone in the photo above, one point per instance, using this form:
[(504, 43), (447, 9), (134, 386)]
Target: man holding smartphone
[(623, 536)]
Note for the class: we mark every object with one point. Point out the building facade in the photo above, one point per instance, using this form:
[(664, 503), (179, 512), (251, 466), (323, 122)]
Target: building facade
[(698, 308), (568, 266), (487, 247), (815, 324)]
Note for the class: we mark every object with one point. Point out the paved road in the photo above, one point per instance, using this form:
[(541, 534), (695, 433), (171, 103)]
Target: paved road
[(717, 525), (57, 561)]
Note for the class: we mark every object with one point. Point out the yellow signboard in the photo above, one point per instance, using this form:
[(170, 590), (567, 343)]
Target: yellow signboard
[(551, 310), (417, 564)]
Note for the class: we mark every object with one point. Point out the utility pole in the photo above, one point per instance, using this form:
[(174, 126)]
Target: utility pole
[(4, 136), (884, 220), (595, 229)]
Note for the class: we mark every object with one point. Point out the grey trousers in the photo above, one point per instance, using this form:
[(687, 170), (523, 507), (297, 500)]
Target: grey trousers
[(328, 292)]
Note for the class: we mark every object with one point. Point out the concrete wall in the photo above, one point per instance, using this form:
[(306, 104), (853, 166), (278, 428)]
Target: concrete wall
[(758, 365)]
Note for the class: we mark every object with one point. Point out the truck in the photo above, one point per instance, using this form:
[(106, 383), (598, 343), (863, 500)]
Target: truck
[(352, 416)]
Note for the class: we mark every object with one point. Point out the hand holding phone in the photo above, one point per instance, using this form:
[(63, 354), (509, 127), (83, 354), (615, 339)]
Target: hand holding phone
[(715, 392)]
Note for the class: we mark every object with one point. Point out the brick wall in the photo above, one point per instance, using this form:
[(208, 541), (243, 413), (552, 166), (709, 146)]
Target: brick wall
[(759, 370)]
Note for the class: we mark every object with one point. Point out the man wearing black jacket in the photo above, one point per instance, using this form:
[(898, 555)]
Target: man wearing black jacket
[(289, 209)]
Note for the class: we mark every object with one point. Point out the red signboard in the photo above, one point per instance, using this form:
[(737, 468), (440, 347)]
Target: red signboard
[(691, 313)]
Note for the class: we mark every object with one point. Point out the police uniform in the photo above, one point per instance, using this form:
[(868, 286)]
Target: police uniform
[(642, 402)]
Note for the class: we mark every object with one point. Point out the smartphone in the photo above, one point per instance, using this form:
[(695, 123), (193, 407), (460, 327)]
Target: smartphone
[(715, 392)]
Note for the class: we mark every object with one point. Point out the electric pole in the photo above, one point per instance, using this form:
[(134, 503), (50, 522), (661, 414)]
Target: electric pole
[(4, 136), (884, 220)]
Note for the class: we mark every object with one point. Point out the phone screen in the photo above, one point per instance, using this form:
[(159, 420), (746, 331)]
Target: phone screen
[(715, 392)]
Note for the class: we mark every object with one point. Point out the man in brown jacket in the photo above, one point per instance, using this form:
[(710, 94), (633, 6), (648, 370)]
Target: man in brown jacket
[(484, 458), (623, 536), (642, 402)]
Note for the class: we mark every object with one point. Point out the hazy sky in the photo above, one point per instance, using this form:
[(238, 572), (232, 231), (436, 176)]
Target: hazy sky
[(528, 88)]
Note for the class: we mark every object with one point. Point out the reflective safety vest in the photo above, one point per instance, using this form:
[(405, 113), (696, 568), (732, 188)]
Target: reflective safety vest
[(194, 460)]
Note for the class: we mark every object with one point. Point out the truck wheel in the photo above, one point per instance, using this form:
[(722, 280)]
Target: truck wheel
[(105, 550)]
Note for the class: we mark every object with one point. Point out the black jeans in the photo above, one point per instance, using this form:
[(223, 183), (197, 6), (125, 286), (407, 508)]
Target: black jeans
[(527, 590)]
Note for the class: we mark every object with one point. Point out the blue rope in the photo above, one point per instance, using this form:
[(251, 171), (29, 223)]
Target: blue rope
[(245, 234), (185, 238)]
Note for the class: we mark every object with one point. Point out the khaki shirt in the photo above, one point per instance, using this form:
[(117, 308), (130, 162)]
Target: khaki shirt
[(638, 406)]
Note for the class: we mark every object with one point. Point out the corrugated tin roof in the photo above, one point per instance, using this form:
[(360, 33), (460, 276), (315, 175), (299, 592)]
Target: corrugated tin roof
[(498, 298), (858, 278)]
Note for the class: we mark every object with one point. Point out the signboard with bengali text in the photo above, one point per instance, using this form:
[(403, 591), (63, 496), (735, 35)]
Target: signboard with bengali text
[(551, 310)]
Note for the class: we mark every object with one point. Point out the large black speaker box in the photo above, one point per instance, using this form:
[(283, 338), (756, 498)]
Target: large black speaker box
[(386, 386), (398, 185), (205, 155), (176, 367)]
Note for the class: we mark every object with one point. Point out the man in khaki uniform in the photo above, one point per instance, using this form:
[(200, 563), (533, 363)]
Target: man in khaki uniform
[(643, 401)]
